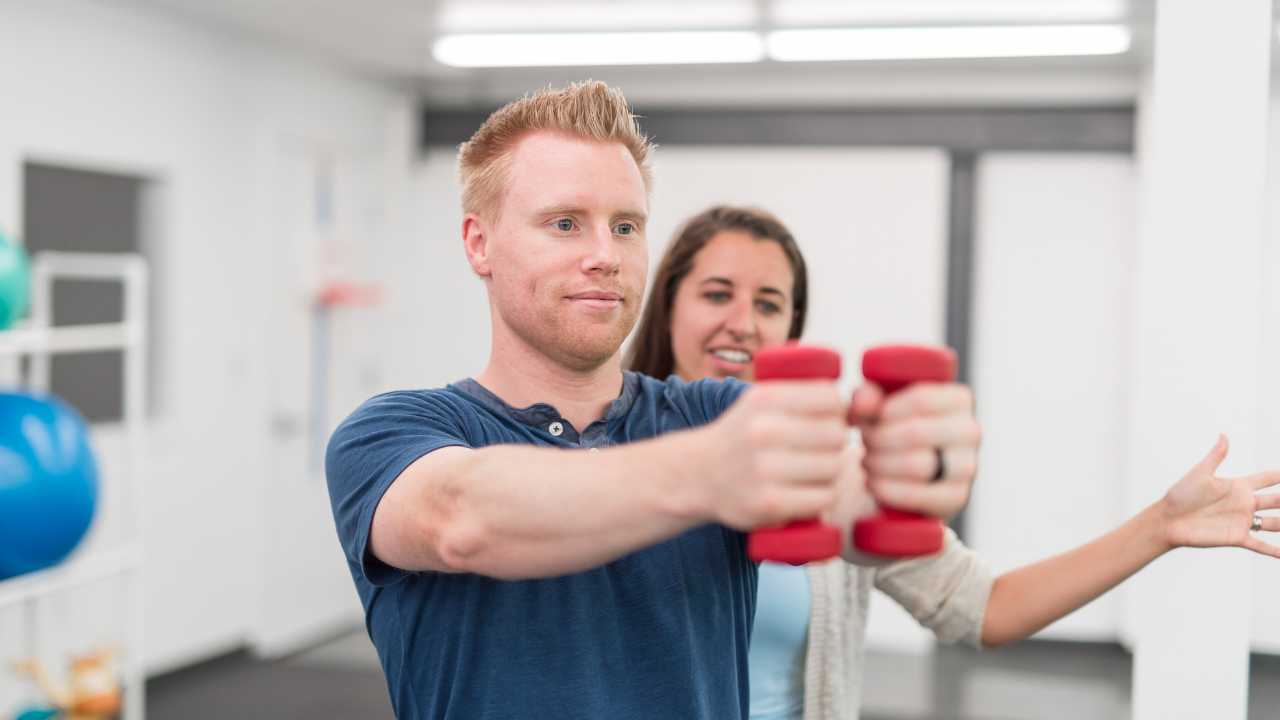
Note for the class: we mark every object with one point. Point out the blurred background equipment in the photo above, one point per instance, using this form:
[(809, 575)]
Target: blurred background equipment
[(50, 485), (51, 490), (92, 691), (15, 282)]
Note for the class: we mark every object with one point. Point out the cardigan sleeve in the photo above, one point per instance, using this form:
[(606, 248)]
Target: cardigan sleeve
[(946, 592)]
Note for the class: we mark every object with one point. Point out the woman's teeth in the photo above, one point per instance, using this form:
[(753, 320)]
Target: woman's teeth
[(734, 356)]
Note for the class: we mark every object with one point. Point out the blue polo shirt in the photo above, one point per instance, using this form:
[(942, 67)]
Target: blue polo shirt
[(659, 633)]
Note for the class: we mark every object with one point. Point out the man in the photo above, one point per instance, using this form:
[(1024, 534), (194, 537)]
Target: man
[(503, 577)]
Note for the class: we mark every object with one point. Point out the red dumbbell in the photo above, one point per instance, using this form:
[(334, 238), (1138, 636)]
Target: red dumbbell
[(892, 532), (800, 541)]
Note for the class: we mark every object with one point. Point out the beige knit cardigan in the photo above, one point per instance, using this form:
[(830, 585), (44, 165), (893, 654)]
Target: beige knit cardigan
[(946, 593)]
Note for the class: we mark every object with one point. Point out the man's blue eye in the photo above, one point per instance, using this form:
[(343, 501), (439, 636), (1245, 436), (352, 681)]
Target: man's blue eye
[(626, 229), (564, 224)]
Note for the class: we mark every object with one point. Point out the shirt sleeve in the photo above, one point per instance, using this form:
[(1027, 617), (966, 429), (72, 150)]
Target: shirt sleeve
[(713, 397), (368, 452), (946, 592)]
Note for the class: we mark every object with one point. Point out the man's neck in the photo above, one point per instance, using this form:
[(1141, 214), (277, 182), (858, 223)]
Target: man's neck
[(522, 377)]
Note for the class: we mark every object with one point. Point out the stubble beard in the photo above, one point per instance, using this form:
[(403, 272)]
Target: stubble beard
[(575, 344)]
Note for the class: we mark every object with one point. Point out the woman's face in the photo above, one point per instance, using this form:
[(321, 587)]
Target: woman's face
[(736, 299)]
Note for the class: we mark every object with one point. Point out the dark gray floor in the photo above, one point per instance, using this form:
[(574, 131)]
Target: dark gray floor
[(1028, 681), (332, 682)]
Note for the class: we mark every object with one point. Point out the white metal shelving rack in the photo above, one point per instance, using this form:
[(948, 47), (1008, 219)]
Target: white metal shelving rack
[(39, 340)]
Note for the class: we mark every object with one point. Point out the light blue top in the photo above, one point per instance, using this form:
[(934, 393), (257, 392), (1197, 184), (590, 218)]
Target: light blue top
[(778, 643)]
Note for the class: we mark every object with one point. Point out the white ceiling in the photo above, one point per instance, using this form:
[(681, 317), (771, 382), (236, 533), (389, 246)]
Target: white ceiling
[(384, 36), (393, 38)]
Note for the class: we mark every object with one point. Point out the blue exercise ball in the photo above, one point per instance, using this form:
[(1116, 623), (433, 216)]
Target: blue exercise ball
[(48, 482)]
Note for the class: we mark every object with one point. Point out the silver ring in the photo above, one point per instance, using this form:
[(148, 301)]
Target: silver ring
[(1256, 525), (941, 472)]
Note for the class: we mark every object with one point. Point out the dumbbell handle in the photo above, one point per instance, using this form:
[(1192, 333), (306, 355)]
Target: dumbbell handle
[(890, 532), (800, 541)]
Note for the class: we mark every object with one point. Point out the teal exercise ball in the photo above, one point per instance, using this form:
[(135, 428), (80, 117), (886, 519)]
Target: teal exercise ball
[(15, 282), (37, 714), (48, 482)]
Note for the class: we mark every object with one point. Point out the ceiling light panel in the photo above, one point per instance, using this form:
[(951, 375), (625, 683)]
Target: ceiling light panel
[(598, 48), (801, 13), (916, 43)]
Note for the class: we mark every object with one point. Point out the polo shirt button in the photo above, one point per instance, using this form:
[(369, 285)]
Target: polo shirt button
[(555, 428), (594, 449)]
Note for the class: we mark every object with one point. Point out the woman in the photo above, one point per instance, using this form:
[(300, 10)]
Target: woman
[(734, 281)]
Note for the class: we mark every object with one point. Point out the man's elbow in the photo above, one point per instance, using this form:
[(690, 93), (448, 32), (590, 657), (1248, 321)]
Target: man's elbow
[(460, 546), (433, 542), (445, 528)]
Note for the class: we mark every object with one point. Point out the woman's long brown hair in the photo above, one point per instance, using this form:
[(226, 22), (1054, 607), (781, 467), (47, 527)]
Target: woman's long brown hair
[(650, 352)]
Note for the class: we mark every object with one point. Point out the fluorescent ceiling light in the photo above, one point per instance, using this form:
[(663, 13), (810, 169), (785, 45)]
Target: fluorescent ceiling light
[(472, 16), (562, 49), (908, 43), (900, 12)]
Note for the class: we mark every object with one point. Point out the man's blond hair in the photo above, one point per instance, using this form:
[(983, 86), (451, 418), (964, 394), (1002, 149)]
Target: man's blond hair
[(590, 110)]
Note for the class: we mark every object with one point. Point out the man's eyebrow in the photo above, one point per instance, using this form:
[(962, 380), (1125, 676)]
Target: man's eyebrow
[(561, 210), (638, 215)]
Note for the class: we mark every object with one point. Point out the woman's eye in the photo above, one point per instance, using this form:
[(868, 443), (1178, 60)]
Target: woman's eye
[(717, 296), (564, 225), (767, 307)]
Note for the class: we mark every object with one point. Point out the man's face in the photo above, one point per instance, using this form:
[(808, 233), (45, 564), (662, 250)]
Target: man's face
[(567, 256)]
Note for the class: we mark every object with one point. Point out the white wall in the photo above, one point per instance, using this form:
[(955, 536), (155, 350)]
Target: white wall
[(444, 312), (1054, 248), (1197, 351), (114, 87), (1266, 579)]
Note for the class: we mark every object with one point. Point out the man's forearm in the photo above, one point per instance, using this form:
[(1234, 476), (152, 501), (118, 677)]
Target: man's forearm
[(511, 511)]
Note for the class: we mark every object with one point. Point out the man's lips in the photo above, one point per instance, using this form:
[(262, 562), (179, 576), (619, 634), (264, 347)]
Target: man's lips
[(597, 295), (597, 300)]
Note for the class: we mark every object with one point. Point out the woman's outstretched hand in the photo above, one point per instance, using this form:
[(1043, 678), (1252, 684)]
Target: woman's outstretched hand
[(1204, 510)]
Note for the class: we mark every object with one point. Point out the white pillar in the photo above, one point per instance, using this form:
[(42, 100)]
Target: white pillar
[(1197, 339)]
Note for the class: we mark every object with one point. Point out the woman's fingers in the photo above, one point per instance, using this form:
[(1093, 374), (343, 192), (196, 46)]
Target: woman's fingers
[(1260, 547)]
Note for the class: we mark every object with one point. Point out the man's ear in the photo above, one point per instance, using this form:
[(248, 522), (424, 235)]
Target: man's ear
[(475, 240)]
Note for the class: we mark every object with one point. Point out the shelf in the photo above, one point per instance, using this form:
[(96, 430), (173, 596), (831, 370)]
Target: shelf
[(79, 570), (123, 559), (69, 338)]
